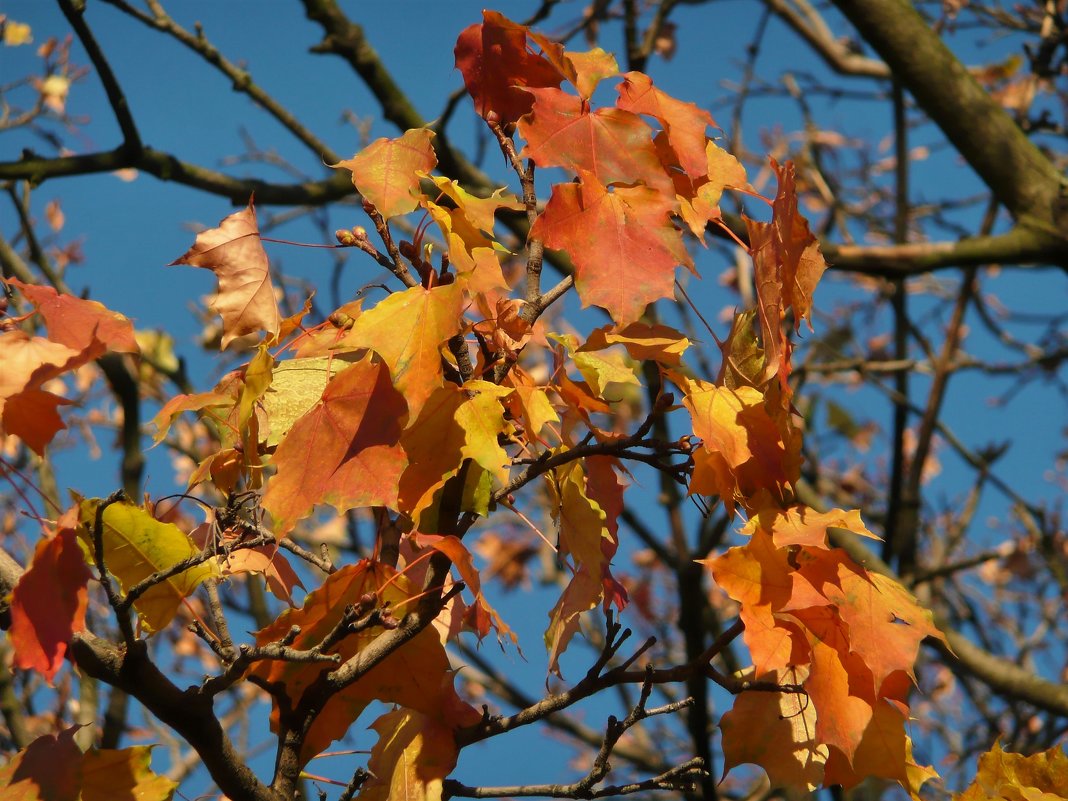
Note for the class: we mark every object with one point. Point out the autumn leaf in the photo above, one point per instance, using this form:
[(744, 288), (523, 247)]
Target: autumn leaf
[(613, 145), (416, 676), (82, 325), (743, 449), (776, 731), (787, 265), (1002, 774), (386, 171), (622, 242), (136, 545), (53, 768), (800, 525), (885, 752), (246, 296), (49, 603), (481, 617), (643, 341), (434, 444), (48, 769), (583, 593), (123, 774), (684, 123), (497, 66), (407, 330), (344, 451), (26, 363), (413, 755)]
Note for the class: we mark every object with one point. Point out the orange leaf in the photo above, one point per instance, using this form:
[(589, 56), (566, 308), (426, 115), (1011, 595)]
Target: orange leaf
[(623, 244), (48, 769), (886, 624), (800, 525), (776, 731), (613, 145), (49, 603), (582, 594), (433, 445), (1005, 775), (416, 676), (385, 172), (683, 123), (407, 330), (83, 325), (344, 452), (246, 297)]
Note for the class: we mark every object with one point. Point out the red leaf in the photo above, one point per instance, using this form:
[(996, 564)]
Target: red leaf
[(496, 65), (623, 244), (344, 452), (48, 604), (233, 251)]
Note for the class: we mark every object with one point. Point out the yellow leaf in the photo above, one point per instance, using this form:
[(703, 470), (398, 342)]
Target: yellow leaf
[(136, 545), (413, 755), (16, 33), (1015, 777), (109, 775)]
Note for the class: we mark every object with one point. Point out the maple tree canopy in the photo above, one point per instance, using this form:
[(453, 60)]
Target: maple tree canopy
[(454, 401)]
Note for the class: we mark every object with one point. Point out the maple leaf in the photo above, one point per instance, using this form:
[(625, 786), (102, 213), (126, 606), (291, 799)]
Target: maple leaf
[(885, 752), (49, 603), (643, 341), (583, 593), (416, 676), (481, 416), (611, 144), (699, 202), (787, 265), (886, 625), (599, 369), (684, 123), (622, 242), (761, 579), (434, 444), (386, 172), (496, 66), (344, 451), (800, 525), (80, 324), (776, 731), (413, 755), (407, 330), (115, 774), (48, 769), (27, 362), (136, 545), (246, 296), (53, 768), (481, 615), (744, 449), (1002, 774)]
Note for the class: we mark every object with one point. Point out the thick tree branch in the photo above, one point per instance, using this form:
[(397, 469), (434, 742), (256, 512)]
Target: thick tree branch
[(1021, 177)]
